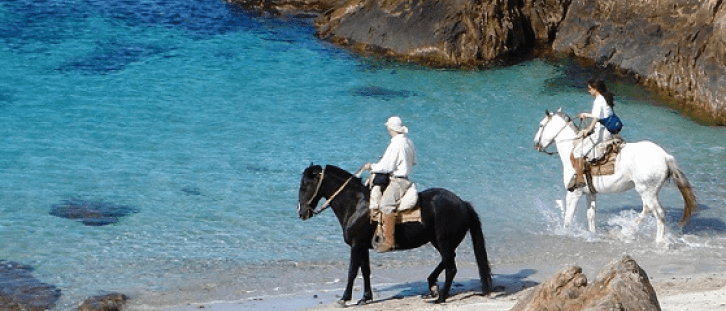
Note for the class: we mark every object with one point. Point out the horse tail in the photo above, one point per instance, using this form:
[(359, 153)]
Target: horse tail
[(689, 197), (480, 250)]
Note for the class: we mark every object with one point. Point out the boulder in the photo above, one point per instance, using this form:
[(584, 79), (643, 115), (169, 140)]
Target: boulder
[(108, 302), (620, 285), (678, 46), (19, 290), (438, 33), (288, 7)]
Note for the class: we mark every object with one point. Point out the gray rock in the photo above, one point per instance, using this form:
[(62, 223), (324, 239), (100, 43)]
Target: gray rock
[(19, 290)]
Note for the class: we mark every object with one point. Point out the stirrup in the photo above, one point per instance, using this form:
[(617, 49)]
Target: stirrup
[(573, 184)]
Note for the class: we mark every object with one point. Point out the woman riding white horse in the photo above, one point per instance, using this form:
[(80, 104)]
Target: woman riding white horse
[(644, 166), (590, 138)]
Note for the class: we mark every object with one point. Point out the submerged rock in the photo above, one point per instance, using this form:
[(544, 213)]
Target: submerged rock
[(108, 302), (19, 290), (620, 285), (91, 213)]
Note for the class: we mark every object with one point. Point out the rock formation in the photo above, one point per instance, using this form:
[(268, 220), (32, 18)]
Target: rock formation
[(620, 285), (19, 290), (288, 7), (108, 302), (447, 32), (677, 46)]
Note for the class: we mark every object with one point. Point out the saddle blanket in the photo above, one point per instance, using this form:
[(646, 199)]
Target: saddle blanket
[(409, 215), (605, 166)]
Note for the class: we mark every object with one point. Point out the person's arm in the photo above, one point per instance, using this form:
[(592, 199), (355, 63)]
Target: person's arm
[(590, 127)]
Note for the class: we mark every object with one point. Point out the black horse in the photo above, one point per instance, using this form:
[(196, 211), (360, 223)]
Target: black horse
[(445, 219)]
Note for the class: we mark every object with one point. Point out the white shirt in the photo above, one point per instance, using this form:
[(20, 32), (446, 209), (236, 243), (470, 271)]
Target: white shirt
[(601, 110), (399, 158)]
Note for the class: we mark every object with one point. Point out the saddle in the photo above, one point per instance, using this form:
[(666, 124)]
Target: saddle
[(409, 215), (605, 165)]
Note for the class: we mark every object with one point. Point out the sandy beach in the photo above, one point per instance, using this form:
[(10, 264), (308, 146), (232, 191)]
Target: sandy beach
[(701, 292)]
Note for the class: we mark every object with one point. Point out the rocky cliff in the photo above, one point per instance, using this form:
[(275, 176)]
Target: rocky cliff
[(676, 46)]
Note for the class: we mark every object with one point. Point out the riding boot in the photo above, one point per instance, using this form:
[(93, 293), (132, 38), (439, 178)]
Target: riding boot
[(578, 180), (389, 227)]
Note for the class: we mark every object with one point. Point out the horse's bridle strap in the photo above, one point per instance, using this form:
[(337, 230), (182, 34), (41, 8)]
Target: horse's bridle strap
[(553, 137), (320, 183), (330, 199)]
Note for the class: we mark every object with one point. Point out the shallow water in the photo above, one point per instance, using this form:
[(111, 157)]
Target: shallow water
[(202, 118)]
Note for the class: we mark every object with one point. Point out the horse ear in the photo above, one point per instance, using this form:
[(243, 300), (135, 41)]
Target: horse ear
[(559, 110), (547, 112)]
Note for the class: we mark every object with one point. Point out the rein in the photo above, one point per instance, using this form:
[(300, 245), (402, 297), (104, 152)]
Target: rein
[(330, 199)]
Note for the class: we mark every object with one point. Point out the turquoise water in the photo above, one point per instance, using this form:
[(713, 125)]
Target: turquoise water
[(203, 117)]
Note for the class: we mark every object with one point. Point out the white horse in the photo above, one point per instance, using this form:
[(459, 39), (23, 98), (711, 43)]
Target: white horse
[(643, 165)]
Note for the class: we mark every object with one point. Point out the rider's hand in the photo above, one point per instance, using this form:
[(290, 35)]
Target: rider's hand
[(367, 166), (581, 134)]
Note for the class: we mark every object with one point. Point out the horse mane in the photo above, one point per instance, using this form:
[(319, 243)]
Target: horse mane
[(563, 115), (337, 171)]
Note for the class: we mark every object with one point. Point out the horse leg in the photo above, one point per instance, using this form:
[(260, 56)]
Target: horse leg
[(353, 266), (433, 281), (643, 214), (571, 200), (659, 214), (652, 203), (365, 269), (450, 266), (591, 210)]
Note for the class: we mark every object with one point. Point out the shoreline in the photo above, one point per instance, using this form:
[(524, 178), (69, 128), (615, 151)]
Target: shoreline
[(675, 292)]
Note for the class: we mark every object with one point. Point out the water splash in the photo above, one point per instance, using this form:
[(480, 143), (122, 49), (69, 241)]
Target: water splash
[(555, 222)]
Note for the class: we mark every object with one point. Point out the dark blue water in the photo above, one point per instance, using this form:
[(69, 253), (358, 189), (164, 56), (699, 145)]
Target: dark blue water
[(190, 122)]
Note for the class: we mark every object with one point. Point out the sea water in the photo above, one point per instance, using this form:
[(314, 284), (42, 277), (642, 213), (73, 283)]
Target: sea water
[(201, 118)]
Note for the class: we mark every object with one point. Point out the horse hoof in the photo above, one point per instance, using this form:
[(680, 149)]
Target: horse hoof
[(342, 304), (433, 291), (362, 302)]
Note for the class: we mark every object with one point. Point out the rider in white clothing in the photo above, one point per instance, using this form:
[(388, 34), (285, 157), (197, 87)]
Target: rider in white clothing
[(396, 163), (602, 107)]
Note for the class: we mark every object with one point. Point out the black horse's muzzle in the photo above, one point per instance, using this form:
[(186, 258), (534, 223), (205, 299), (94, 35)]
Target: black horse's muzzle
[(306, 213)]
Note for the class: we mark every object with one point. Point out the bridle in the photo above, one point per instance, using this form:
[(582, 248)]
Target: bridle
[(325, 205), (542, 126)]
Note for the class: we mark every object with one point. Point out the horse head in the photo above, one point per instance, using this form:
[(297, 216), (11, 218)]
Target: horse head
[(308, 195), (549, 128)]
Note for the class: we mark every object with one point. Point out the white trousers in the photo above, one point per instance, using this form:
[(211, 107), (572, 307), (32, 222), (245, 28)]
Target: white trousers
[(388, 201)]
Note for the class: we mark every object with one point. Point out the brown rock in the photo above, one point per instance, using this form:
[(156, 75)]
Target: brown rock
[(288, 7), (676, 45), (446, 32), (621, 285), (108, 302)]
